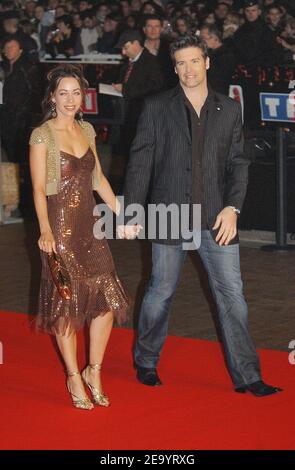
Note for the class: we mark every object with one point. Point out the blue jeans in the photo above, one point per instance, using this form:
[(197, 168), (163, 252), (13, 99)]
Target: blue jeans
[(223, 268)]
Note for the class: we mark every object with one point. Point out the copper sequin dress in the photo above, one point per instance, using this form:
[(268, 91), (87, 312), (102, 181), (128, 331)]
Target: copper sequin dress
[(95, 286)]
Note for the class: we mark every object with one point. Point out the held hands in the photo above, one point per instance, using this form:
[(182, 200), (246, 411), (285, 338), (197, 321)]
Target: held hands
[(46, 242), (128, 232), (226, 222)]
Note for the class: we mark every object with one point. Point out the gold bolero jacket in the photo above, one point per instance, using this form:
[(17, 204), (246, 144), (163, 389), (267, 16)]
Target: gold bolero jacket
[(46, 134)]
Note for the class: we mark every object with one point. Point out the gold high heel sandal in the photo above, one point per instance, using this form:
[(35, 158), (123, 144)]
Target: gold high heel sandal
[(99, 398), (81, 403)]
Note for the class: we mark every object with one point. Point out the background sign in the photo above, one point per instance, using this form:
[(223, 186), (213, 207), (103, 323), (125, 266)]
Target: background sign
[(90, 104), (277, 107)]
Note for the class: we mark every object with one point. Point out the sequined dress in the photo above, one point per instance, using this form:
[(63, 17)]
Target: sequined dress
[(95, 286)]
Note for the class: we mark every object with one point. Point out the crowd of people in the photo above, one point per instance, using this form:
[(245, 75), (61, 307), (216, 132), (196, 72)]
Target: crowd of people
[(71, 27)]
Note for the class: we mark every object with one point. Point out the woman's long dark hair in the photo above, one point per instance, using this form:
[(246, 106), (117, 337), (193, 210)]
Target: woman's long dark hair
[(54, 77)]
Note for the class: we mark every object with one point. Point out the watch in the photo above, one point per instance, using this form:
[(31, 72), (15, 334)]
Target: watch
[(237, 211)]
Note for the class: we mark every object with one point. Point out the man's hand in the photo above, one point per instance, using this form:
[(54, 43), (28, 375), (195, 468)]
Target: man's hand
[(226, 221), (128, 231), (118, 87)]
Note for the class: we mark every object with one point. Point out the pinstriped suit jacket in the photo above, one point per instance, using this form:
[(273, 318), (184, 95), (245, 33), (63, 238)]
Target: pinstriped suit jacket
[(160, 160)]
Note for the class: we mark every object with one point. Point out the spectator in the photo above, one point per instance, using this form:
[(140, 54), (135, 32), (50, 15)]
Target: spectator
[(21, 97), (31, 30), (11, 27), (222, 60), (88, 34), (60, 11), (125, 8), (183, 26), (130, 22), (231, 24), (62, 37), (136, 5), (29, 11), (158, 46), (84, 5), (77, 21), (274, 19), (221, 12), (139, 77), (109, 38), (254, 43), (44, 20)]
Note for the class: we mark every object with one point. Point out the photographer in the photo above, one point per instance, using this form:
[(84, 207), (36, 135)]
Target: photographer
[(62, 37)]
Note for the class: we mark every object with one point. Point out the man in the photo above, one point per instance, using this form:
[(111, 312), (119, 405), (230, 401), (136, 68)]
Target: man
[(22, 92), (11, 27), (222, 60), (139, 77), (189, 150), (88, 34), (159, 47), (254, 43)]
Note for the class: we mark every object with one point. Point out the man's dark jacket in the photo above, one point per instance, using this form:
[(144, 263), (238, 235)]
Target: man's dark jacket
[(160, 162)]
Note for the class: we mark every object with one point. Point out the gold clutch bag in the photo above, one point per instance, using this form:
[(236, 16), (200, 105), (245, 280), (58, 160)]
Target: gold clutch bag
[(60, 275)]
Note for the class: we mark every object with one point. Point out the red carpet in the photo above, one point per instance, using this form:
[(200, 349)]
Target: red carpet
[(195, 409)]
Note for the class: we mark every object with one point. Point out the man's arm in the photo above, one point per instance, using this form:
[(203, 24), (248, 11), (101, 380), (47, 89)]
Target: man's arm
[(236, 174), (140, 166), (236, 179)]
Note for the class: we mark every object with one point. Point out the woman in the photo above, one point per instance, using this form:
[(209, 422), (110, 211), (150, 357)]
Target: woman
[(65, 169)]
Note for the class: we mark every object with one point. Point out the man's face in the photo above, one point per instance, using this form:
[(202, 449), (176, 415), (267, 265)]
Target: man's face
[(131, 49), (39, 12), (88, 23), (110, 25), (191, 66), (77, 21), (30, 6), (12, 50), (252, 13), (10, 25), (274, 16), (210, 40), (153, 29), (221, 11), (83, 5)]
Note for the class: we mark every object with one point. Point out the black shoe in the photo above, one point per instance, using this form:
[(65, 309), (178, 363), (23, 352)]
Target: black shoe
[(259, 389), (148, 376)]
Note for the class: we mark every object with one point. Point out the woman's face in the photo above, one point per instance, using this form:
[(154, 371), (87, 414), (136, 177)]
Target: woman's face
[(68, 97)]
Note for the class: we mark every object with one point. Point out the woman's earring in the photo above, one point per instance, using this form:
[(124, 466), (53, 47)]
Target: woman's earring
[(53, 109)]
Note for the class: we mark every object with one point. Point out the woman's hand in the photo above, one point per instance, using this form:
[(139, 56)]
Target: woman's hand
[(46, 242)]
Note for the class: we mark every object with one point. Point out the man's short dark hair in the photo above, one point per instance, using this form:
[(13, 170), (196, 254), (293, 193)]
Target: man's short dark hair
[(185, 42), (66, 19), (213, 30), (11, 38), (146, 18)]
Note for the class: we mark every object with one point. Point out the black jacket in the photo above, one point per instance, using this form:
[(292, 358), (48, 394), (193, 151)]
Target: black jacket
[(161, 156), (255, 45), (145, 79), (222, 67)]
